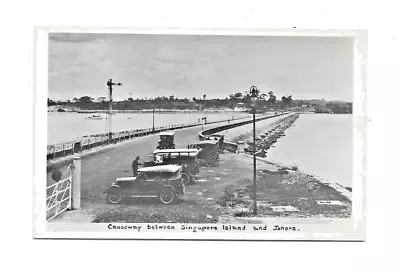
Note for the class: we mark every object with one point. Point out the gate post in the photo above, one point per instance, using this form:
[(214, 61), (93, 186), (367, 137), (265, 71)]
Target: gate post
[(76, 183)]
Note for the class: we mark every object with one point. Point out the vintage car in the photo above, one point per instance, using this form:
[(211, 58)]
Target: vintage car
[(166, 140), (187, 158), (163, 182), (208, 151), (219, 138)]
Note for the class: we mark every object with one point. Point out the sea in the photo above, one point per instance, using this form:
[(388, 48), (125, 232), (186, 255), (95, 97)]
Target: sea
[(63, 127), (319, 144)]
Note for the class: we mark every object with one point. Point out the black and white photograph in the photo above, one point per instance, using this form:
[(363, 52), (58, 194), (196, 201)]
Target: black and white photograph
[(177, 135)]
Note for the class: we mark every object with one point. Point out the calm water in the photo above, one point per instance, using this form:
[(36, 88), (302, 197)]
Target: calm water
[(319, 144), (64, 127)]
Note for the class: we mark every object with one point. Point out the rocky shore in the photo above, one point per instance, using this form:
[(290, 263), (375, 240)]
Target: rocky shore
[(267, 134), (265, 141)]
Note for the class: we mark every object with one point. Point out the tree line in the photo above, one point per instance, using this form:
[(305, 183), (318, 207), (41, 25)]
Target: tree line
[(264, 101)]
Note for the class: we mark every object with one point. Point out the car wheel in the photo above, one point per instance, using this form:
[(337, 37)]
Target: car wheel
[(114, 196), (210, 162), (167, 195), (185, 178), (192, 178)]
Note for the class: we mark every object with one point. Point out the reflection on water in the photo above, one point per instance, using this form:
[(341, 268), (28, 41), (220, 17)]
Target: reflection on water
[(319, 144), (64, 127)]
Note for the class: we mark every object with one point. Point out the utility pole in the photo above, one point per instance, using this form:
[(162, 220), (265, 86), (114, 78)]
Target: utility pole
[(153, 116), (110, 85), (254, 95), (204, 103)]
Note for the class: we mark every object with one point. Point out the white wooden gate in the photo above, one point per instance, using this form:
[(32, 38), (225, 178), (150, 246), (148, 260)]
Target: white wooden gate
[(59, 196)]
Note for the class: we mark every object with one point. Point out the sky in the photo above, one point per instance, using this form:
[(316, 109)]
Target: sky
[(189, 66)]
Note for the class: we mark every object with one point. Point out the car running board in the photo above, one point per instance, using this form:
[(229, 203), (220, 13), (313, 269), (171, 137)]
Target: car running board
[(137, 196)]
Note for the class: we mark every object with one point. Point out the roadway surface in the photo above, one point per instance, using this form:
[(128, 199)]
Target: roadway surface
[(100, 169)]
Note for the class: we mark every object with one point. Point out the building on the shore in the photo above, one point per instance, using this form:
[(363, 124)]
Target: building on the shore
[(240, 107)]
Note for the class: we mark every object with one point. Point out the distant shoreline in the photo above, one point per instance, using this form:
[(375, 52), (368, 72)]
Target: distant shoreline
[(142, 111)]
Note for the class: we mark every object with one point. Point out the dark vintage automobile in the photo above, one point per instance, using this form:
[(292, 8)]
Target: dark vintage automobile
[(219, 138), (162, 182), (166, 140), (208, 151), (187, 158)]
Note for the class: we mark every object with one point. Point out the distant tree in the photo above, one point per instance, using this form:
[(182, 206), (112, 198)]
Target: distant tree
[(256, 93), (204, 96), (284, 101), (289, 100), (68, 101), (130, 100), (272, 98), (238, 95), (101, 99), (75, 100), (171, 98), (85, 99)]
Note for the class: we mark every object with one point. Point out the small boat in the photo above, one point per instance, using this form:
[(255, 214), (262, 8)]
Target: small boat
[(95, 117)]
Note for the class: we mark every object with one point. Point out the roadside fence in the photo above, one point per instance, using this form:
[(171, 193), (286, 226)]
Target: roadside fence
[(57, 151)]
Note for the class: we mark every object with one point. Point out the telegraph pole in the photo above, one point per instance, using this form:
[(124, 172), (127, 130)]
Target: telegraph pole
[(110, 85), (154, 107), (204, 107), (254, 95)]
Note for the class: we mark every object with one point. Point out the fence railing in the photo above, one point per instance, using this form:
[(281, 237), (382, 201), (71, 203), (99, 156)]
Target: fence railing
[(89, 142)]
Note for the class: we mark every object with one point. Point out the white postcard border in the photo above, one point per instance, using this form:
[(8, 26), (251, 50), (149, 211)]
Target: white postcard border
[(344, 229)]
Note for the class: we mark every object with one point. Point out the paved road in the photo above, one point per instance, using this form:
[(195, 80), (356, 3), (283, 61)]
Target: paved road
[(102, 168)]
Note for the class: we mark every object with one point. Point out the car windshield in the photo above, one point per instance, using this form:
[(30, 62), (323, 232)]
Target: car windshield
[(206, 146)]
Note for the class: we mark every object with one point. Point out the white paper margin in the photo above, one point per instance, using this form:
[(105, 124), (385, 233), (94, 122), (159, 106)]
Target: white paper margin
[(342, 229)]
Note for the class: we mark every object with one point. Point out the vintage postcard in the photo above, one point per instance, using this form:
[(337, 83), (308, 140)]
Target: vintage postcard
[(200, 134)]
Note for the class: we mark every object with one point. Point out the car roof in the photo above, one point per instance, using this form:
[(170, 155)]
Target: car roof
[(167, 133), (126, 178), (163, 168), (206, 142), (191, 151)]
